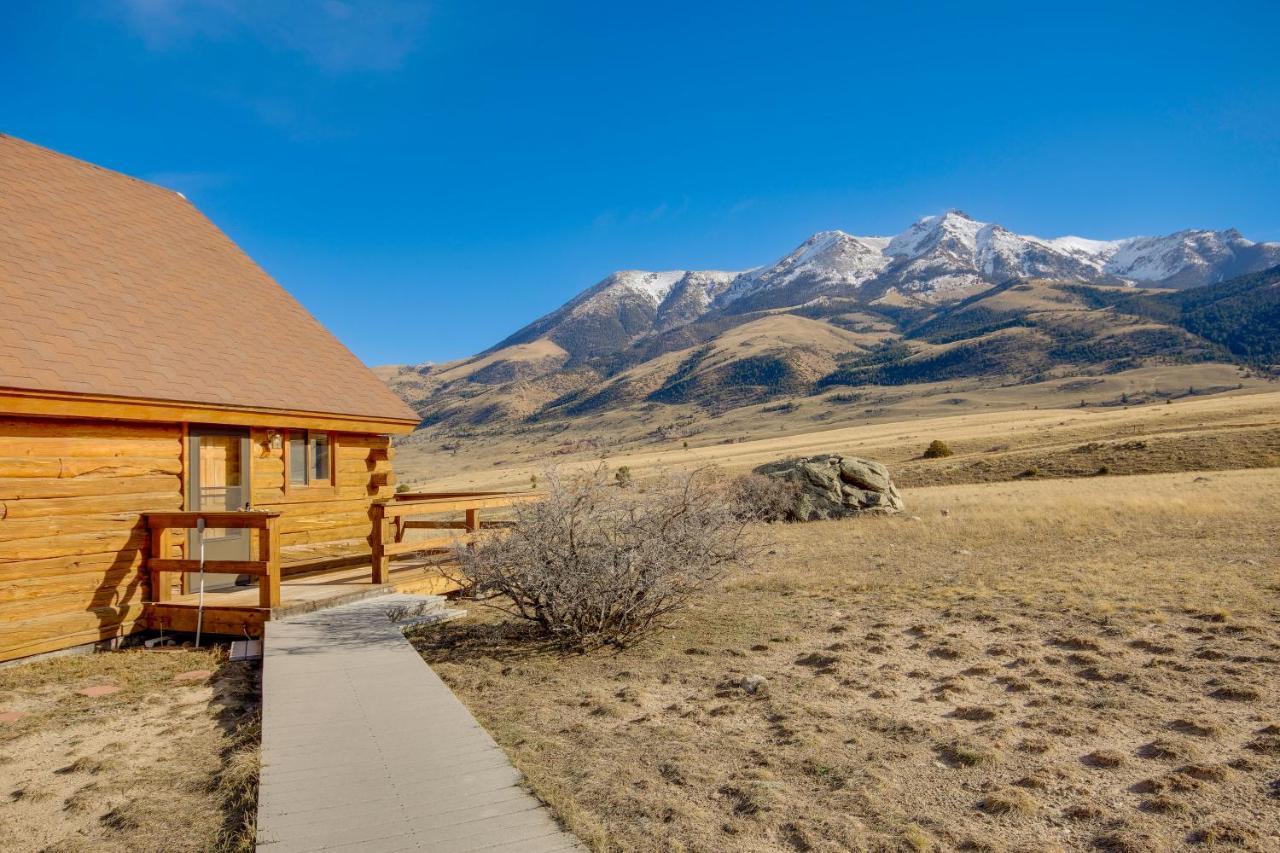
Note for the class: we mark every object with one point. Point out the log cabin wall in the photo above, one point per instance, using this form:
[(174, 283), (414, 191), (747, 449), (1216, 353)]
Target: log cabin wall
[(71, 538), (327, 512)]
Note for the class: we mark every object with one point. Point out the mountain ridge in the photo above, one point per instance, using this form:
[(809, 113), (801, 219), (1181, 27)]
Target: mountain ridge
[(937, 259), (949, 297)]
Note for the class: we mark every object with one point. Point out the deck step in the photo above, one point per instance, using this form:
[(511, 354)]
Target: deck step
[(246, 650), (182, 617), (371, 591)]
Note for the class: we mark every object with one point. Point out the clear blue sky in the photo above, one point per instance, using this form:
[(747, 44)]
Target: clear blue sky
[(426, 178)]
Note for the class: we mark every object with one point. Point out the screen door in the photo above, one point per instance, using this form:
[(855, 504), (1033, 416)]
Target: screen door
[(219, 473)]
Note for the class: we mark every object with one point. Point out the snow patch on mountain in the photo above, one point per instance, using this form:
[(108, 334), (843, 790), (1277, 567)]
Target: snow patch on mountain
[(655, 285), (1151, 259), (834, 254), (1085, 247), (831, 257), (953, 231), (691, 296), (705, 285)]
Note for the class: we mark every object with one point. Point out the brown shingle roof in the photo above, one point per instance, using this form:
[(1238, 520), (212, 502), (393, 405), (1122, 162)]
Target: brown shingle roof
[(113, 286)]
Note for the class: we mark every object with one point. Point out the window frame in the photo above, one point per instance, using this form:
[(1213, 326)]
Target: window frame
[(308, 466)]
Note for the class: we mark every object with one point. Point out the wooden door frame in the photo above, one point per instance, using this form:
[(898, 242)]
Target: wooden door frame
[(190, 475)]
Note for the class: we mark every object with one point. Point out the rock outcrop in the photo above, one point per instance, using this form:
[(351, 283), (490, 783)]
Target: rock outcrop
[(833, 486)]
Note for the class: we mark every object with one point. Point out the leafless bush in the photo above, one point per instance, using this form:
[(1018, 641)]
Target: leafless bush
[(757, 497), (594, 564)]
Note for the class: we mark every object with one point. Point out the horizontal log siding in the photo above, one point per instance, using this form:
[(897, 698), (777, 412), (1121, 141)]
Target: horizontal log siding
[(72, 541), (71, 537), (315, 514)]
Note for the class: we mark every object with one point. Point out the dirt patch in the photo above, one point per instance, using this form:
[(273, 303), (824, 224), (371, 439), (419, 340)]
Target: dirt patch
[(1047, 666), (163, 763)]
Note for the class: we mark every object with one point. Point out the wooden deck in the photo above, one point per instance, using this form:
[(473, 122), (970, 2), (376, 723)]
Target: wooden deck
[(238, 612), (410, 538)]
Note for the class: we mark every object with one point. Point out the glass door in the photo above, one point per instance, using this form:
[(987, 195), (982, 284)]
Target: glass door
[(219, 481)]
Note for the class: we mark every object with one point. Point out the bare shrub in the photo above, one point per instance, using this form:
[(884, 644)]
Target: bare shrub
[(756, 497), (594, 564)]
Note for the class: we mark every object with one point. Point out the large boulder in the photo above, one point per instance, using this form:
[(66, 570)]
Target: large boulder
[(833, 486)]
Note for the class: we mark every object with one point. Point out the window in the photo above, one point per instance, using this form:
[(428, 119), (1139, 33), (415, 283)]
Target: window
[(308, 459), (319, 445), (297, 458)]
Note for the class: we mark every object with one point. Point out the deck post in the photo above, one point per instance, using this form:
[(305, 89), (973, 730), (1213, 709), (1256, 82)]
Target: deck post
[(269, 553), (381, 537), (159, 550)]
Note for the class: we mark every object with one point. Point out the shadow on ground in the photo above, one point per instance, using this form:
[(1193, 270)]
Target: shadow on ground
[(469, 641)]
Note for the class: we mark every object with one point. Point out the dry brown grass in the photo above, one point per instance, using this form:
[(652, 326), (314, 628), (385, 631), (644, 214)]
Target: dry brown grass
[(158, 766), (939, 683), (993, 438)]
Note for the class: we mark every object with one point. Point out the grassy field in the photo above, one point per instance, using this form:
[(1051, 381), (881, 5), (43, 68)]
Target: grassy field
[(1030, 665), (1226, 431), (163, 764)]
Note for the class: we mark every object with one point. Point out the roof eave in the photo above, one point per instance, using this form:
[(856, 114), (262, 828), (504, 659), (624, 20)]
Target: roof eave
[(60, 404)]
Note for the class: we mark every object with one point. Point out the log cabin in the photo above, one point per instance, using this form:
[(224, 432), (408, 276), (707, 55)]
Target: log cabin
[(166, 408)]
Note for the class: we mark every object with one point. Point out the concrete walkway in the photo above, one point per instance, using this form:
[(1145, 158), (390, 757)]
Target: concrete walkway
[(365, 748)]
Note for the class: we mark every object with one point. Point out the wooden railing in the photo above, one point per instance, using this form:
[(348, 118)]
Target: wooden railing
[(391, 520), (164, 526)]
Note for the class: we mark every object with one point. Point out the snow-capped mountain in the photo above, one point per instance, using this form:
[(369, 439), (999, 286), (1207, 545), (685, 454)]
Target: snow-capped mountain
[(1189, 258), (691, 296), (938, 259), (624, 306), (828, 259)]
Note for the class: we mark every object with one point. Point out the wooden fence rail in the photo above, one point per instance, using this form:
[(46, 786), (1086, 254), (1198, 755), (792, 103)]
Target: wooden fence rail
[(163, 526), (391, 520)]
